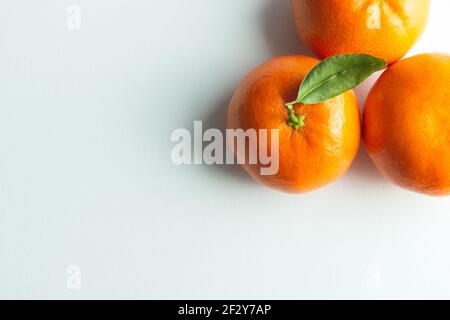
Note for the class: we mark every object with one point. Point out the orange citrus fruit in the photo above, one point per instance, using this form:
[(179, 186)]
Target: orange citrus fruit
[(407, 123), (316, 153), (383, 28)]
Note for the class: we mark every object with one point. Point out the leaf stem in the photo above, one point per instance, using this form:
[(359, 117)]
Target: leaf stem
[(297, 121)]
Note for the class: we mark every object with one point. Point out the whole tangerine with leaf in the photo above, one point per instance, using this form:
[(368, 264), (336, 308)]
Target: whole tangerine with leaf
[(407, 124), (384, 28), (316, 113)]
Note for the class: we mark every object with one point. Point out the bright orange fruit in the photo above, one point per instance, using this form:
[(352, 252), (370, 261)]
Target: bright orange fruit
[(407, 124), (311, 156), (383, 28)]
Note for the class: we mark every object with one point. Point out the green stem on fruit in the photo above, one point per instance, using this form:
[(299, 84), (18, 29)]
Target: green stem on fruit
[(296, 121)]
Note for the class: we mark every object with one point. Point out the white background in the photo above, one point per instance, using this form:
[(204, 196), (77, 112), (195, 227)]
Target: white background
[(86, 177)]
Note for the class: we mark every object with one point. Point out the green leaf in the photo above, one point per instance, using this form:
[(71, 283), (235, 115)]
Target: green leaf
[(335, 75)]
